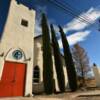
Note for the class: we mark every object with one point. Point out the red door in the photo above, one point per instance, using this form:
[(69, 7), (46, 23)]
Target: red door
[(13, 79)]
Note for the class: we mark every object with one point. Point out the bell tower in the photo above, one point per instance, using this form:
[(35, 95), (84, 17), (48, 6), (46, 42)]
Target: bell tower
[(17, 44)]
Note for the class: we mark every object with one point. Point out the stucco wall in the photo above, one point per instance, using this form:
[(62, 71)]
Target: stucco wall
[(17, 36), (38, 60), (96, 72)]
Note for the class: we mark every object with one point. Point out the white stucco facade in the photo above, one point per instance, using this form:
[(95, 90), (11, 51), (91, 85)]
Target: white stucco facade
[(96, 72), (38, 61), (19, 37)]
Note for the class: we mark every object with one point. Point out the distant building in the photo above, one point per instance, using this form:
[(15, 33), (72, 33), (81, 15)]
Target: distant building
[(96, 72), (16, 51)]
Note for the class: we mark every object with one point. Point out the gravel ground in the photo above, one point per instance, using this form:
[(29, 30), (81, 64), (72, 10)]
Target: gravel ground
[(87, 98), (31, 98), (79, 95)]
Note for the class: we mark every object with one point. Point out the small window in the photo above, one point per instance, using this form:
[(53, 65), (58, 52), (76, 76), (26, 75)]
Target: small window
[(17, 54), (24, 22), (36, 74)]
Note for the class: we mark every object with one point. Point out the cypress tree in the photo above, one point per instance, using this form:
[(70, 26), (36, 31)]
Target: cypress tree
[(47, 58), (58, 61), (72, 79)]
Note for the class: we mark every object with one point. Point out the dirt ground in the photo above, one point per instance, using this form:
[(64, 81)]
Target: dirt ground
[(79, 95)]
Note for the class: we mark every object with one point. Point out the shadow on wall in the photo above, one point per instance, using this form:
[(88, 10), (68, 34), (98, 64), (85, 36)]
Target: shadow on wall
[(4, 9)]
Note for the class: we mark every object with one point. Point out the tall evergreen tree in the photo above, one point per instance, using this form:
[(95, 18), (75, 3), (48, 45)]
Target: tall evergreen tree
[(58, 61), (47, 58), (69, 62)]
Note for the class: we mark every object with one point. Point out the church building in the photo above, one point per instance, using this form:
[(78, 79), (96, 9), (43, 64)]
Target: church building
[(21, 63)]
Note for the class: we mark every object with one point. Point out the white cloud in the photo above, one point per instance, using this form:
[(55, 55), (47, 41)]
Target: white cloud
[(77, 37), (91, 15), (77, 24), (37, 28), (74, 38), (39, 11)]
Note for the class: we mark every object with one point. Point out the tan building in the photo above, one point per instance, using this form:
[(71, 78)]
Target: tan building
[(16, 51), (96, 72), (38, 68)]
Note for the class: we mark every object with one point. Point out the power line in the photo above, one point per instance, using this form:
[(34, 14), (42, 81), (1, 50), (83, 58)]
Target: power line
[(75, 10), (69, 11), (62, 6)]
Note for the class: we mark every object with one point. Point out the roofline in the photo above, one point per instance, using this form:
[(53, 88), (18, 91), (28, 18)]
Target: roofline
[(38, 36), (50, 43)]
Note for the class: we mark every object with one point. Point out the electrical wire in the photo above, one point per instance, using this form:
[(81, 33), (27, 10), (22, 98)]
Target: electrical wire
[(73, 9), (69, 11)]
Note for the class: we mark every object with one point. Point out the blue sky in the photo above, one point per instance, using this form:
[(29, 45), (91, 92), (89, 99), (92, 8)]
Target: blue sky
[(85, 33)]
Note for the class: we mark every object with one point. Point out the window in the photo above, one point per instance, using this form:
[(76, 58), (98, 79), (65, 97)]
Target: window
[(17, 54), (24, 22), (36, 74)]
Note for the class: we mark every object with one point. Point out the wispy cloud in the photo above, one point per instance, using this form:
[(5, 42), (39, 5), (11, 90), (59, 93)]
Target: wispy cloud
[(79, 35), (76, 37), (37, 28), (39, 11), (92, 15)]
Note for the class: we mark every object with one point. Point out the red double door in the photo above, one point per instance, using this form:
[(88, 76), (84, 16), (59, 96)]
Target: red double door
[(12, 82)]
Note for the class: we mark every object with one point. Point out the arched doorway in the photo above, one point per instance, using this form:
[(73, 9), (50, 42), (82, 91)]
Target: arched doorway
[(13, 76)]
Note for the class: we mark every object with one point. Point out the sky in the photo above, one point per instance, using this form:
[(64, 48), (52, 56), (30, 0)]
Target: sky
[(79, 19)]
